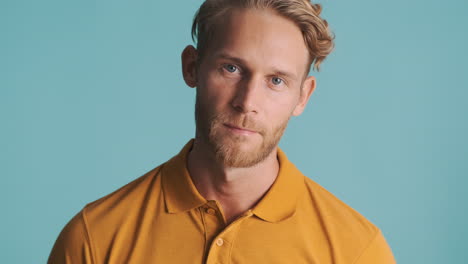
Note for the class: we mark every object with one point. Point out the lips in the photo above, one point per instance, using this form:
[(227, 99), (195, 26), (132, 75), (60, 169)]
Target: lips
[(240, 129)]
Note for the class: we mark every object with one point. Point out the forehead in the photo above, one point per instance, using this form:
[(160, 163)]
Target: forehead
[(262, 38)]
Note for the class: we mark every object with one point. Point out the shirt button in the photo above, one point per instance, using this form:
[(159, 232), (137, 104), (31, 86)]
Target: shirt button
[(211, 211), (219, 242)]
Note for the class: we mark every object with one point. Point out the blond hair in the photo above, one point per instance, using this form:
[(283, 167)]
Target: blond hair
[(306, 15)]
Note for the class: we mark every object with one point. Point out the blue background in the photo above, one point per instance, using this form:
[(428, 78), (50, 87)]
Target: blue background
[(91, 97)]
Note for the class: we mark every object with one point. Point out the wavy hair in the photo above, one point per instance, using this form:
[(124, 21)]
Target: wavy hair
[(306, 15)]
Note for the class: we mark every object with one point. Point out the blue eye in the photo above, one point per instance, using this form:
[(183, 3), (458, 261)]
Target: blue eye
[(230, 68), (276, 80)]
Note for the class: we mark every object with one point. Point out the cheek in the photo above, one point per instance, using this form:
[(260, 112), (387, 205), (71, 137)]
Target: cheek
[(216, 91), (281, 107)]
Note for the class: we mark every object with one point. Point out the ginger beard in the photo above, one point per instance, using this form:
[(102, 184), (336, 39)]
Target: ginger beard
[(227, 147)]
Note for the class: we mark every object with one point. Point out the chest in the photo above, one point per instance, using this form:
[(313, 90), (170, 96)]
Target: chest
[(199, 236)]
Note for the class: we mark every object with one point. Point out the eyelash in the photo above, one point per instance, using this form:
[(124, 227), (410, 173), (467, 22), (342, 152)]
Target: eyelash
[(227, 65), (282, 81)]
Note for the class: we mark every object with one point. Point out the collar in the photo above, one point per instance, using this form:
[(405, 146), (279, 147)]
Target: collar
[(180, 193), (279, 203)]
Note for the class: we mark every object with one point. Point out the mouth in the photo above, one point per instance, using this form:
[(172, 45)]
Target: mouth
[(240, 130)]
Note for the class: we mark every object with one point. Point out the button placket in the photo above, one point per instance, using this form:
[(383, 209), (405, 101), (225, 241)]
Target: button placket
[(221, 247), (213, 226)]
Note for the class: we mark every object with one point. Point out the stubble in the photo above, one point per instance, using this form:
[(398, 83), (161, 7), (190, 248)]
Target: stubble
[(227, 147)]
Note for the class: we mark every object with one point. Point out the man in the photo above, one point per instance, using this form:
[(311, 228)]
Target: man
[(231, 195)]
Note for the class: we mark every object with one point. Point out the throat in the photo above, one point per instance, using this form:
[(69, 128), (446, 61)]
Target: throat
[(236, 190)]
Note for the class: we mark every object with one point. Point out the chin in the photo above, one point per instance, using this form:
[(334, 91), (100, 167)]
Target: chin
[(240, 152)]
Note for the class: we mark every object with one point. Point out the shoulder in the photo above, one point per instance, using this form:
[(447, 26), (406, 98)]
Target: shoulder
[(125, 200), (73, 244), (334, 211), (355, 237), (99, 222)]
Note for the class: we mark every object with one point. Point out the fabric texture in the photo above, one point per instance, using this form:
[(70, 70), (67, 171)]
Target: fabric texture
[(162, 218)]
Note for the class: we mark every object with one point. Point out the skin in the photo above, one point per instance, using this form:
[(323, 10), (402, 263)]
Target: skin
[(250, 81)]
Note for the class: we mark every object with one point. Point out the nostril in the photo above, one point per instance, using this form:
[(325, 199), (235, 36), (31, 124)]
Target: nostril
[(237, 107)]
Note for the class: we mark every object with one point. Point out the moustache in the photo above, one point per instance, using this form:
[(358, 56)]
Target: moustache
[(241, 121)]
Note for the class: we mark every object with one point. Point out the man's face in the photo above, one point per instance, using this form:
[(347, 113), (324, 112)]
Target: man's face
[(249, 84)]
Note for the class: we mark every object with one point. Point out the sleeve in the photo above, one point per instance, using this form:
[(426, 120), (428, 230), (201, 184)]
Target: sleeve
[(378, 251), (73, 244)]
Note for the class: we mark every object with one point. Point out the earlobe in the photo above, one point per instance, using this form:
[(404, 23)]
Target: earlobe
[(189, 65), (307, 89)]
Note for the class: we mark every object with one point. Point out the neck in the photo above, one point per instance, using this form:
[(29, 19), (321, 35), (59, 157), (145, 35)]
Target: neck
[(236, 189)]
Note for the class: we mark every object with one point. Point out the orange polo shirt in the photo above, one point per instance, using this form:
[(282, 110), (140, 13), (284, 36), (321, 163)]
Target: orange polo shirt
[(162, 218)]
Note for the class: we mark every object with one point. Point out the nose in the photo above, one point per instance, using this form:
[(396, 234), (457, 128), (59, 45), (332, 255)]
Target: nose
[(247, 95)]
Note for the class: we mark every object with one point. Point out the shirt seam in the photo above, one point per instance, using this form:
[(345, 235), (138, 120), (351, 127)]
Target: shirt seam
[(367, 247), (88, 236)]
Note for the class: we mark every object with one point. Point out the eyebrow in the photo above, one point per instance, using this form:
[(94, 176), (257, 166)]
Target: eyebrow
[(275, 70)]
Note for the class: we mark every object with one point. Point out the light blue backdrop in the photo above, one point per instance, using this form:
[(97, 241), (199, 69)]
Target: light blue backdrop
[(91, 97)]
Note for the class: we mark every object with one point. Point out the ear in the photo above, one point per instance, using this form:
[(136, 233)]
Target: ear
[(189, 65), (308, 86)]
